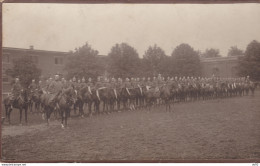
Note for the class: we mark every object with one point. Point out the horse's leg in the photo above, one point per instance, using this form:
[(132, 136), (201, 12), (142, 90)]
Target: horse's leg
[(62, 118), (9, 115), (25, 114), (21, 111), (81, 104), (66, 119)]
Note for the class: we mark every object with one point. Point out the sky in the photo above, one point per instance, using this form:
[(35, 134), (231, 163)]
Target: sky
[(64, 27)]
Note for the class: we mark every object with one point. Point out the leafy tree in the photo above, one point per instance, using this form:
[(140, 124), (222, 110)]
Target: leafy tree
[(250, 63), (153, 59), (25, 69), (84, 62), (124, 61), (234, 51), (185, 61), (211, 53)]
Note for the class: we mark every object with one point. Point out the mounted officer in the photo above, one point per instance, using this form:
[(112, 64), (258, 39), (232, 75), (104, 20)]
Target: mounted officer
[(32, 87), (127, 85), (90, 85), (55, 88), (149, 83), (113, 85), (16, 91), (40, 86)]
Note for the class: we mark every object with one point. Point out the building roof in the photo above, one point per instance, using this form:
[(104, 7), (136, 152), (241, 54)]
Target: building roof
[(34, 50), (218, 59)]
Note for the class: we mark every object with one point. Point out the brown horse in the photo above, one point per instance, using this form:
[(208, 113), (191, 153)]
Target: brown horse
[(20, 103), (165, 94), (62, 104), (65, 101)]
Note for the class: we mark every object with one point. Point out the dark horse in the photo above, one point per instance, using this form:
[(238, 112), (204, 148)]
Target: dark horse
[(34, 99), (20, 103), (62, 104), (108, 97), (165, 94), (65, 101)]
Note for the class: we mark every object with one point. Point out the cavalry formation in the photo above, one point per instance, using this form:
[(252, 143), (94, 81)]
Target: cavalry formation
[(60, 96)]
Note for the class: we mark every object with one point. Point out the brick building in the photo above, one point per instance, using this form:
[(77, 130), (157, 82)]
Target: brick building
[(220, 66), (50, 62)]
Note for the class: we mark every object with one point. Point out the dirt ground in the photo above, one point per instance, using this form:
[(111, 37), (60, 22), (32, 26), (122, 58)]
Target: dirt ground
[(216, 129)]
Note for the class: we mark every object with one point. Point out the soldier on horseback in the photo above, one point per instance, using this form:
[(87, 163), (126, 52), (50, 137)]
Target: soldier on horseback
[(99, 84), (16, 91), (32, 87), (127, 85), (54, 89)]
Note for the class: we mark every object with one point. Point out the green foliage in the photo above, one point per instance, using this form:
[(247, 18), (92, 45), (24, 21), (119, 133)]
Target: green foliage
[(211, 53), (153, 60), (250, 63), (234, 51), (123, 61), (185, 61), (84, 62), (25, 69)]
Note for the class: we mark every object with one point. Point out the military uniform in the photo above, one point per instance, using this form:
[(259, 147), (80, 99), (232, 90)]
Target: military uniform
[(16, 90), (54, 87), (32, 87)]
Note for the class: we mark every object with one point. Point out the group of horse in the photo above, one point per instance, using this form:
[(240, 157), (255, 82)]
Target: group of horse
[(110, 100)]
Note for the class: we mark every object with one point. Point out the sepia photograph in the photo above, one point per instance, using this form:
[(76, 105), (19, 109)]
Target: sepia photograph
[(129, 82)]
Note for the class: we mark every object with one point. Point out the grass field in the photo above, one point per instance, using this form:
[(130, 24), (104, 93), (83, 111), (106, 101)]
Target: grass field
[(215, 129)]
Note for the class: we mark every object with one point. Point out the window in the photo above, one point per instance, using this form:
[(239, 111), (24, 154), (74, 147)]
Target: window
[(58, 60)]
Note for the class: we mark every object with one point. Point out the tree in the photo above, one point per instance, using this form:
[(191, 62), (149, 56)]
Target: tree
[(185, 61), (124, 61), (249, 65), (84, 62), (25, 69), (153, 59), (234, 51), (211, 53)]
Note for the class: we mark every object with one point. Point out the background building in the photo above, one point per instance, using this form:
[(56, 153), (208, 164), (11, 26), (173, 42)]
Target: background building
[(50, 62), (220, 66)]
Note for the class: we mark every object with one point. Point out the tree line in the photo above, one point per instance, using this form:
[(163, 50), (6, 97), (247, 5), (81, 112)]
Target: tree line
[(124, 61)]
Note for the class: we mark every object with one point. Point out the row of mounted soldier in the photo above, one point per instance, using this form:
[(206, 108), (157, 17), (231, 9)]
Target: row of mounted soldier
[(58, 95)]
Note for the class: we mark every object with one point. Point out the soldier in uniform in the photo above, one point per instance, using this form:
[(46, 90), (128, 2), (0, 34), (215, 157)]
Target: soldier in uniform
[(55, 89), (90, 85), (64, 83), (40, 86), (74, 82), (32, 87), (113, 85), (149, 83), (98, 85), (119, 84), (83, 83), (16, 91), (127, 85), (142, 82)]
